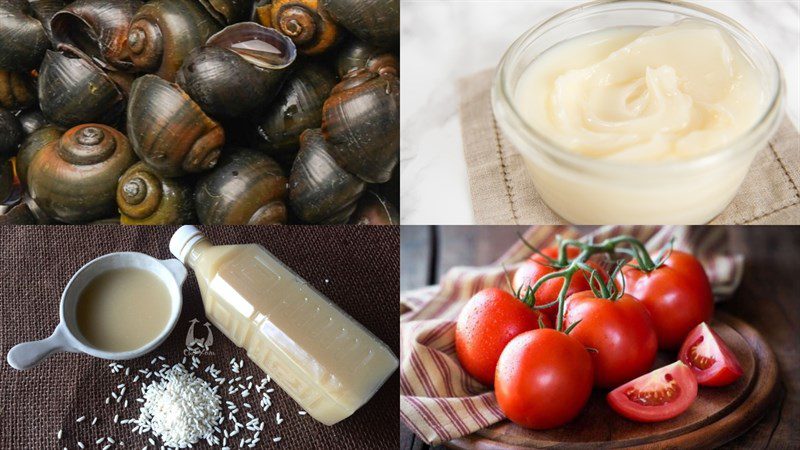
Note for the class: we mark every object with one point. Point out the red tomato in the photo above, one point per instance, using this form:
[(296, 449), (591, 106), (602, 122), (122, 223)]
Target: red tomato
[(677, 295), (544, 379), (490, 319), (660, 395), (537, 266), (620, 330), (709, 358)]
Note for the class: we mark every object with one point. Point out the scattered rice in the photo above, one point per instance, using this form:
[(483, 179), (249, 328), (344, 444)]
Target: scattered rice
[(181, 409), (81, 419)]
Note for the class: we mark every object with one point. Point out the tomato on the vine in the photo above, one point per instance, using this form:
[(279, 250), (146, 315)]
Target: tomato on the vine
[(544, 379), (677, 294), (711, 361), (660, 395), (490, 319), (621, 332), (537, 266)]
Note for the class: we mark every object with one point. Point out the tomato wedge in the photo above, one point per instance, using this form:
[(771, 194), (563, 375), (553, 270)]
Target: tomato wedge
[(659, 395), (711, 361)]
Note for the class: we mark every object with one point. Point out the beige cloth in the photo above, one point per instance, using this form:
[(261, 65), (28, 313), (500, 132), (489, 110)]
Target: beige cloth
[(503, 193)]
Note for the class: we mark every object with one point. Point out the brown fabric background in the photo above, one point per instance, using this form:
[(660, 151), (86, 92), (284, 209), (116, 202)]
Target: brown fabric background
[(362, 264), (503, 192)]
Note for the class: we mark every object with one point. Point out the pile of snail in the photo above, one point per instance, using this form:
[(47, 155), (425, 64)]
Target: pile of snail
[(199, 111)]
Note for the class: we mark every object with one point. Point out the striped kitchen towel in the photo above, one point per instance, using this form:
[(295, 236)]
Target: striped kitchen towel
[(439, 401)]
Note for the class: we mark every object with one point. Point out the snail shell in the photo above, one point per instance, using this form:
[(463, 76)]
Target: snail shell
[(32, 120), (227, 12), (18, 215), (247, 187), (373, 21), (17, 90), (169, 131), (145, 198), (11, 133), (319, 190), (310, 27), (74, 179), (74, 91), (7, 190), (375, 210), (297, 107), (35, 141), (23, 37), (357, 54), (44, 10), (229, 77), (98, 29), (163, 32), (361, 121)]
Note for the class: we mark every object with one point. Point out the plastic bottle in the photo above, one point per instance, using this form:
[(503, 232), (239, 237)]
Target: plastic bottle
[(325, 360)]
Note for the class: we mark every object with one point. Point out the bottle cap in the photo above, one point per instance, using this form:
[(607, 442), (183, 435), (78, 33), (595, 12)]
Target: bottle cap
[(183, 240)]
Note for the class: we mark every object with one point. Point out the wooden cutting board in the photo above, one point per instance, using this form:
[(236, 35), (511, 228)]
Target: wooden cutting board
[(717, 415)]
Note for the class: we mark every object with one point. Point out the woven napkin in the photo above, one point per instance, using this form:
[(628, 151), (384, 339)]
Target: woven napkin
[(503, 193), (439, 401), (355, 267)]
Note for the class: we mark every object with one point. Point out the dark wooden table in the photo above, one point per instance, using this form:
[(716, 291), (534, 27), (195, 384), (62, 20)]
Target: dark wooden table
[(768, 299)]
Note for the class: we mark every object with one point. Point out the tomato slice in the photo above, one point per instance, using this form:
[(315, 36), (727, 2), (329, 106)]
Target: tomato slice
[(659, 395), (711, 361)]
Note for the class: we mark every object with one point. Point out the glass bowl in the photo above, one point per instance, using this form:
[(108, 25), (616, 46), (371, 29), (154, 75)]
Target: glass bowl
[(585, 190)]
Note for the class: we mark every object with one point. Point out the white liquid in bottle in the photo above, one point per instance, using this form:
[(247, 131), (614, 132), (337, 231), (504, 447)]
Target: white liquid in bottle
[(326, 361)]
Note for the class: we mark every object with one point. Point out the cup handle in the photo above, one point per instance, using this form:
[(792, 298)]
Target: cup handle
[(27, 355), (177, 268)]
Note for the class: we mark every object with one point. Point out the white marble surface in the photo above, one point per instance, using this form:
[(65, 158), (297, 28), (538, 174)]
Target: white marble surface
[(443, 41)]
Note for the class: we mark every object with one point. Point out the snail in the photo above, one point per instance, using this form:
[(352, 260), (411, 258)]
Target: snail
[(247, 187), (240, 70), (357, 54), (361, 121), (44, 10), (31, 146), (163, 32), (17, 90), (20, 214), (310, 27), (23, 37), (169, 131), (319, 190), (145, 198), (6, 179), (32, 120), (74, 179), (98, 29), (228, 12), (72, 91), (11, 133), (297, 107), (113, 220), (375, 210), (374, 21)]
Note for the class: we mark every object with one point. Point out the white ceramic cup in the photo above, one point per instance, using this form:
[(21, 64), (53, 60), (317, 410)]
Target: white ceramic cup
[(68, 338)]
